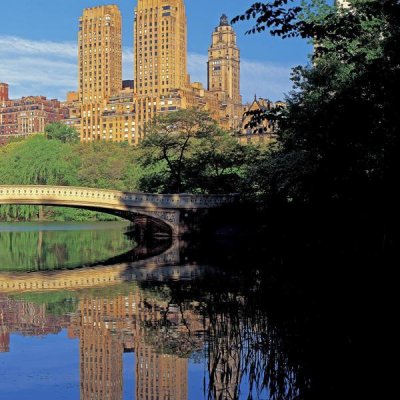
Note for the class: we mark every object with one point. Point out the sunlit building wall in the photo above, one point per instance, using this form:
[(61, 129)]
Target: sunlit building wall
[(107, 110)]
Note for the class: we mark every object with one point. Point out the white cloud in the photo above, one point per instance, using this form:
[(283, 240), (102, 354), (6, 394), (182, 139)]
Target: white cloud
[(38, 67), (16, 45), (50, 69)]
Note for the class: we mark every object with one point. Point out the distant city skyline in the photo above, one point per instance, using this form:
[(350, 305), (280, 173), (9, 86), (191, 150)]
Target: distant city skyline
[(41, 58)]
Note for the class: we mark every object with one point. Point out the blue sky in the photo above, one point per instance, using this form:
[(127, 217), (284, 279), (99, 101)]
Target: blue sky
[(38, 53)]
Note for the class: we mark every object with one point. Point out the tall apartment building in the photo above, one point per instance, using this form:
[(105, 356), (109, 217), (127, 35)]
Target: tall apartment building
[(160, 47), (107, 110), (100, 65), (223, 73), (100, 54), (224, 63)]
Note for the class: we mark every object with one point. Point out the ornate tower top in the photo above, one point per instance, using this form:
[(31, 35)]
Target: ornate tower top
[(223, 20), (224, 66)]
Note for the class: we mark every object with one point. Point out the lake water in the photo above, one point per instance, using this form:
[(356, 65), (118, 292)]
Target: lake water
[(87, 312)]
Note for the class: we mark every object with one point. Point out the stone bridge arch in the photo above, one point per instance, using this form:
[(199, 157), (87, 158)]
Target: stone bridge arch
[(179, 212)]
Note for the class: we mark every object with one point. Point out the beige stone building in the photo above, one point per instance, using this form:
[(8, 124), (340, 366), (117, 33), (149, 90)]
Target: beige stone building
[(223, 73), (264, 132), (160, 49), (105, 109)]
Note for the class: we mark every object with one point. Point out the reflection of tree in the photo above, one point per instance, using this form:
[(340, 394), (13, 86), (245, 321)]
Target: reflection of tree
[(247, 352), (243, 346), (177, 333), (57, 303), (47, 250)]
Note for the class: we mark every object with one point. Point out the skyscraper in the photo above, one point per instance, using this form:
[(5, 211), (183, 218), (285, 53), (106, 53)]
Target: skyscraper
[(104, 110), (223, 73), (160, 47), (224, 62), (100, 53), (100, 65)]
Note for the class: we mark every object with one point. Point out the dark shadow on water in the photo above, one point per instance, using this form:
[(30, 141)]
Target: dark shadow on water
[(287, 309)]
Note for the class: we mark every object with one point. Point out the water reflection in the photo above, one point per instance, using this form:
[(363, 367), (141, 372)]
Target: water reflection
[(109, 322), (176, 315), (158, 308), (48, 246)]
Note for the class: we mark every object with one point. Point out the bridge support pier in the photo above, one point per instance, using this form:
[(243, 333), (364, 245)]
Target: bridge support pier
[(191, 221), (182, 222)]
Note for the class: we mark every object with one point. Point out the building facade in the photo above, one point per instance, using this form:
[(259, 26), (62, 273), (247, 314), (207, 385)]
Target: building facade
[(100, 65), (224, 62), (28, 115), (265, 131), (107, 109), (3, 92), (160, 47)]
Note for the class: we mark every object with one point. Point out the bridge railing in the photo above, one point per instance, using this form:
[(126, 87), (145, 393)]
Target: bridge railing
[(70, 194)]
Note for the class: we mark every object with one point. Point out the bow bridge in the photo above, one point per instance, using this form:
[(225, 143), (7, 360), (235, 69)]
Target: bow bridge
[(181, 213)]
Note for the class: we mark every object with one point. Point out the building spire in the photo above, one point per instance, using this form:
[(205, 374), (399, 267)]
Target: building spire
[(223, 21)]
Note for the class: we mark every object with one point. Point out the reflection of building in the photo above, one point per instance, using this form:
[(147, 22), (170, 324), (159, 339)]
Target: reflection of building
[(100, 352), (161, 334), (160, 376), (4, 337), (224, 359), (27, 318), (108, 327)]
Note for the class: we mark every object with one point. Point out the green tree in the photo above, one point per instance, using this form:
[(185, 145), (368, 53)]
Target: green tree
[(168, 144), (338, 138), (218, 164), (107, 165), (187, 151), (39, 161), (61, 132)]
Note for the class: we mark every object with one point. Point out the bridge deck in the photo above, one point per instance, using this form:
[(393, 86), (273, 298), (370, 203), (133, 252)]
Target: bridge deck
[(104, 197), (174, 210)]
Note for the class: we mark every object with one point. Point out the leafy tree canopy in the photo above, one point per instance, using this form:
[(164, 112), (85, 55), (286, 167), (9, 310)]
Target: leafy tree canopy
[(187, 151), (338, 139), (40, 161), (61, 132)]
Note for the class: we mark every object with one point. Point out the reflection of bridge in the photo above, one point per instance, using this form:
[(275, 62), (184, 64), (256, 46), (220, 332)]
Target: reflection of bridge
[(161, 267), (180, 212)]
